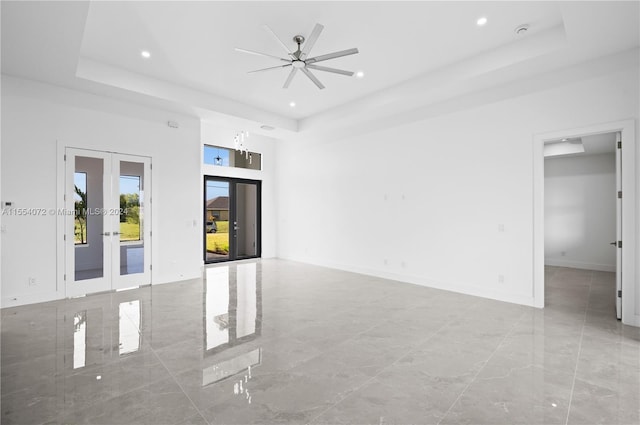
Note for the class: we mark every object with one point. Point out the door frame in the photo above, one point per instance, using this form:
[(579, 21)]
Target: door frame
[(61, 251), (232, 214), (629, 211)]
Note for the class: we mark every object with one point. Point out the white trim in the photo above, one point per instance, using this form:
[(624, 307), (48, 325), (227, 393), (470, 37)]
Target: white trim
[(61, 288), (630, 218)]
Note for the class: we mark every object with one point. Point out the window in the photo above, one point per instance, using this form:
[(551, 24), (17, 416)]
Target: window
[(216, 155), (224, 157)]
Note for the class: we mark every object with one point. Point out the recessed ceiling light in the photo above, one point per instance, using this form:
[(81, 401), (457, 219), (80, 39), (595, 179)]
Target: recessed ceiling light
[(292, 104), (481, 21), (359, 74), (145, 54)]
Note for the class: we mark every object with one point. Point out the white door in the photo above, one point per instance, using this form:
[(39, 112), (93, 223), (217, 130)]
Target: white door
[(131, 229), (108, 221), (618, 226), (87, 230)]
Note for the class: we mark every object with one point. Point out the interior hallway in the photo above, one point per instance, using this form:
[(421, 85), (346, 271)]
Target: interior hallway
[(272, 341)]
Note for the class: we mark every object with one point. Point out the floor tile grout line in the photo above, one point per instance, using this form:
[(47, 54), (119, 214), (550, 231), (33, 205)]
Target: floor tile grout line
[(179, 385), (431, 335), (575, 371), (486, 362)]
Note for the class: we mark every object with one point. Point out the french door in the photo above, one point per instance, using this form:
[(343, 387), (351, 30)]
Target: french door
[(107, 221), (231, 219)]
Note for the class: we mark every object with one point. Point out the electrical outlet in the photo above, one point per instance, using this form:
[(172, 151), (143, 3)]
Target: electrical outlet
[(32, 281), (500, 278), (563, 253), (386, 262), (500, 227)]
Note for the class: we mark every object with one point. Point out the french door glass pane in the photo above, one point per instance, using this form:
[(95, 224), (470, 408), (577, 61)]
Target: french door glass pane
[(88, 219), (131, 217)]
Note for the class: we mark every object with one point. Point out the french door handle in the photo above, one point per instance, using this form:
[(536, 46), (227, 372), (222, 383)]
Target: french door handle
[(614, 243), (106, 234), (115, 233)]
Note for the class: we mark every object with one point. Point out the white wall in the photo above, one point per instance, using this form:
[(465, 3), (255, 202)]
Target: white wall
[(218, 135), (34, 117), (444, 201), (580, 211)]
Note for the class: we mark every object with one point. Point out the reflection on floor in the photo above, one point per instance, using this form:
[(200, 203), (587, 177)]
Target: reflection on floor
[(280, 342)]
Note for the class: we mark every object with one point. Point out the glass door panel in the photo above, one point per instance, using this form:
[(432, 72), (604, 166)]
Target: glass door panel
[(217, 239), (86, 225), (131, 227), (232, 219), (246, 220)]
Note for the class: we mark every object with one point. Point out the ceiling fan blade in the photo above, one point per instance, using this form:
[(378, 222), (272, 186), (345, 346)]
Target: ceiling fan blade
[(308, 44), (271, 67), (335, 71), (312, 78), (252, 52), (290, 78), (273, 34), (332, 55)]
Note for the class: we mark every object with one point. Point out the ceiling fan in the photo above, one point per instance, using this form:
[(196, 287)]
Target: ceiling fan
[(300, 60)]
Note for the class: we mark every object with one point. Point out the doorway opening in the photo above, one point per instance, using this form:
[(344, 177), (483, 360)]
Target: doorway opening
[(627, 163), (582, 218), (232, 219)]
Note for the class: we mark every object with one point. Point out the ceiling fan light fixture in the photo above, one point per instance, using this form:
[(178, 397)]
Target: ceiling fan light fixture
[(482, 21), (359, 74), (292, 104), (300, 60), (145, 54)]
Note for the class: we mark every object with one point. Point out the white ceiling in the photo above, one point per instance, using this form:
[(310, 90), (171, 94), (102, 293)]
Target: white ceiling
[(96, 46)]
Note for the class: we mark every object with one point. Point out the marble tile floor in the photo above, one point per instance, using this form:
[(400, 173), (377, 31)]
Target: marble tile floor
[(278, 342)]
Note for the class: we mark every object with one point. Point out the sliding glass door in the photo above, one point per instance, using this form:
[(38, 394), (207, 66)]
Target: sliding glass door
[(231, 219)]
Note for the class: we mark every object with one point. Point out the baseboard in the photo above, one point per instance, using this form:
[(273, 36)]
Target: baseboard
[(179, 278), (461, 288), (630, 319), (25, 299), (579, 265)]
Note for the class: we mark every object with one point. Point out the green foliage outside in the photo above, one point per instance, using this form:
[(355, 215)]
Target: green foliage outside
[(129, 231), (218, 243), (80, 221), (129, 217), (223, 226), (80, 233)]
